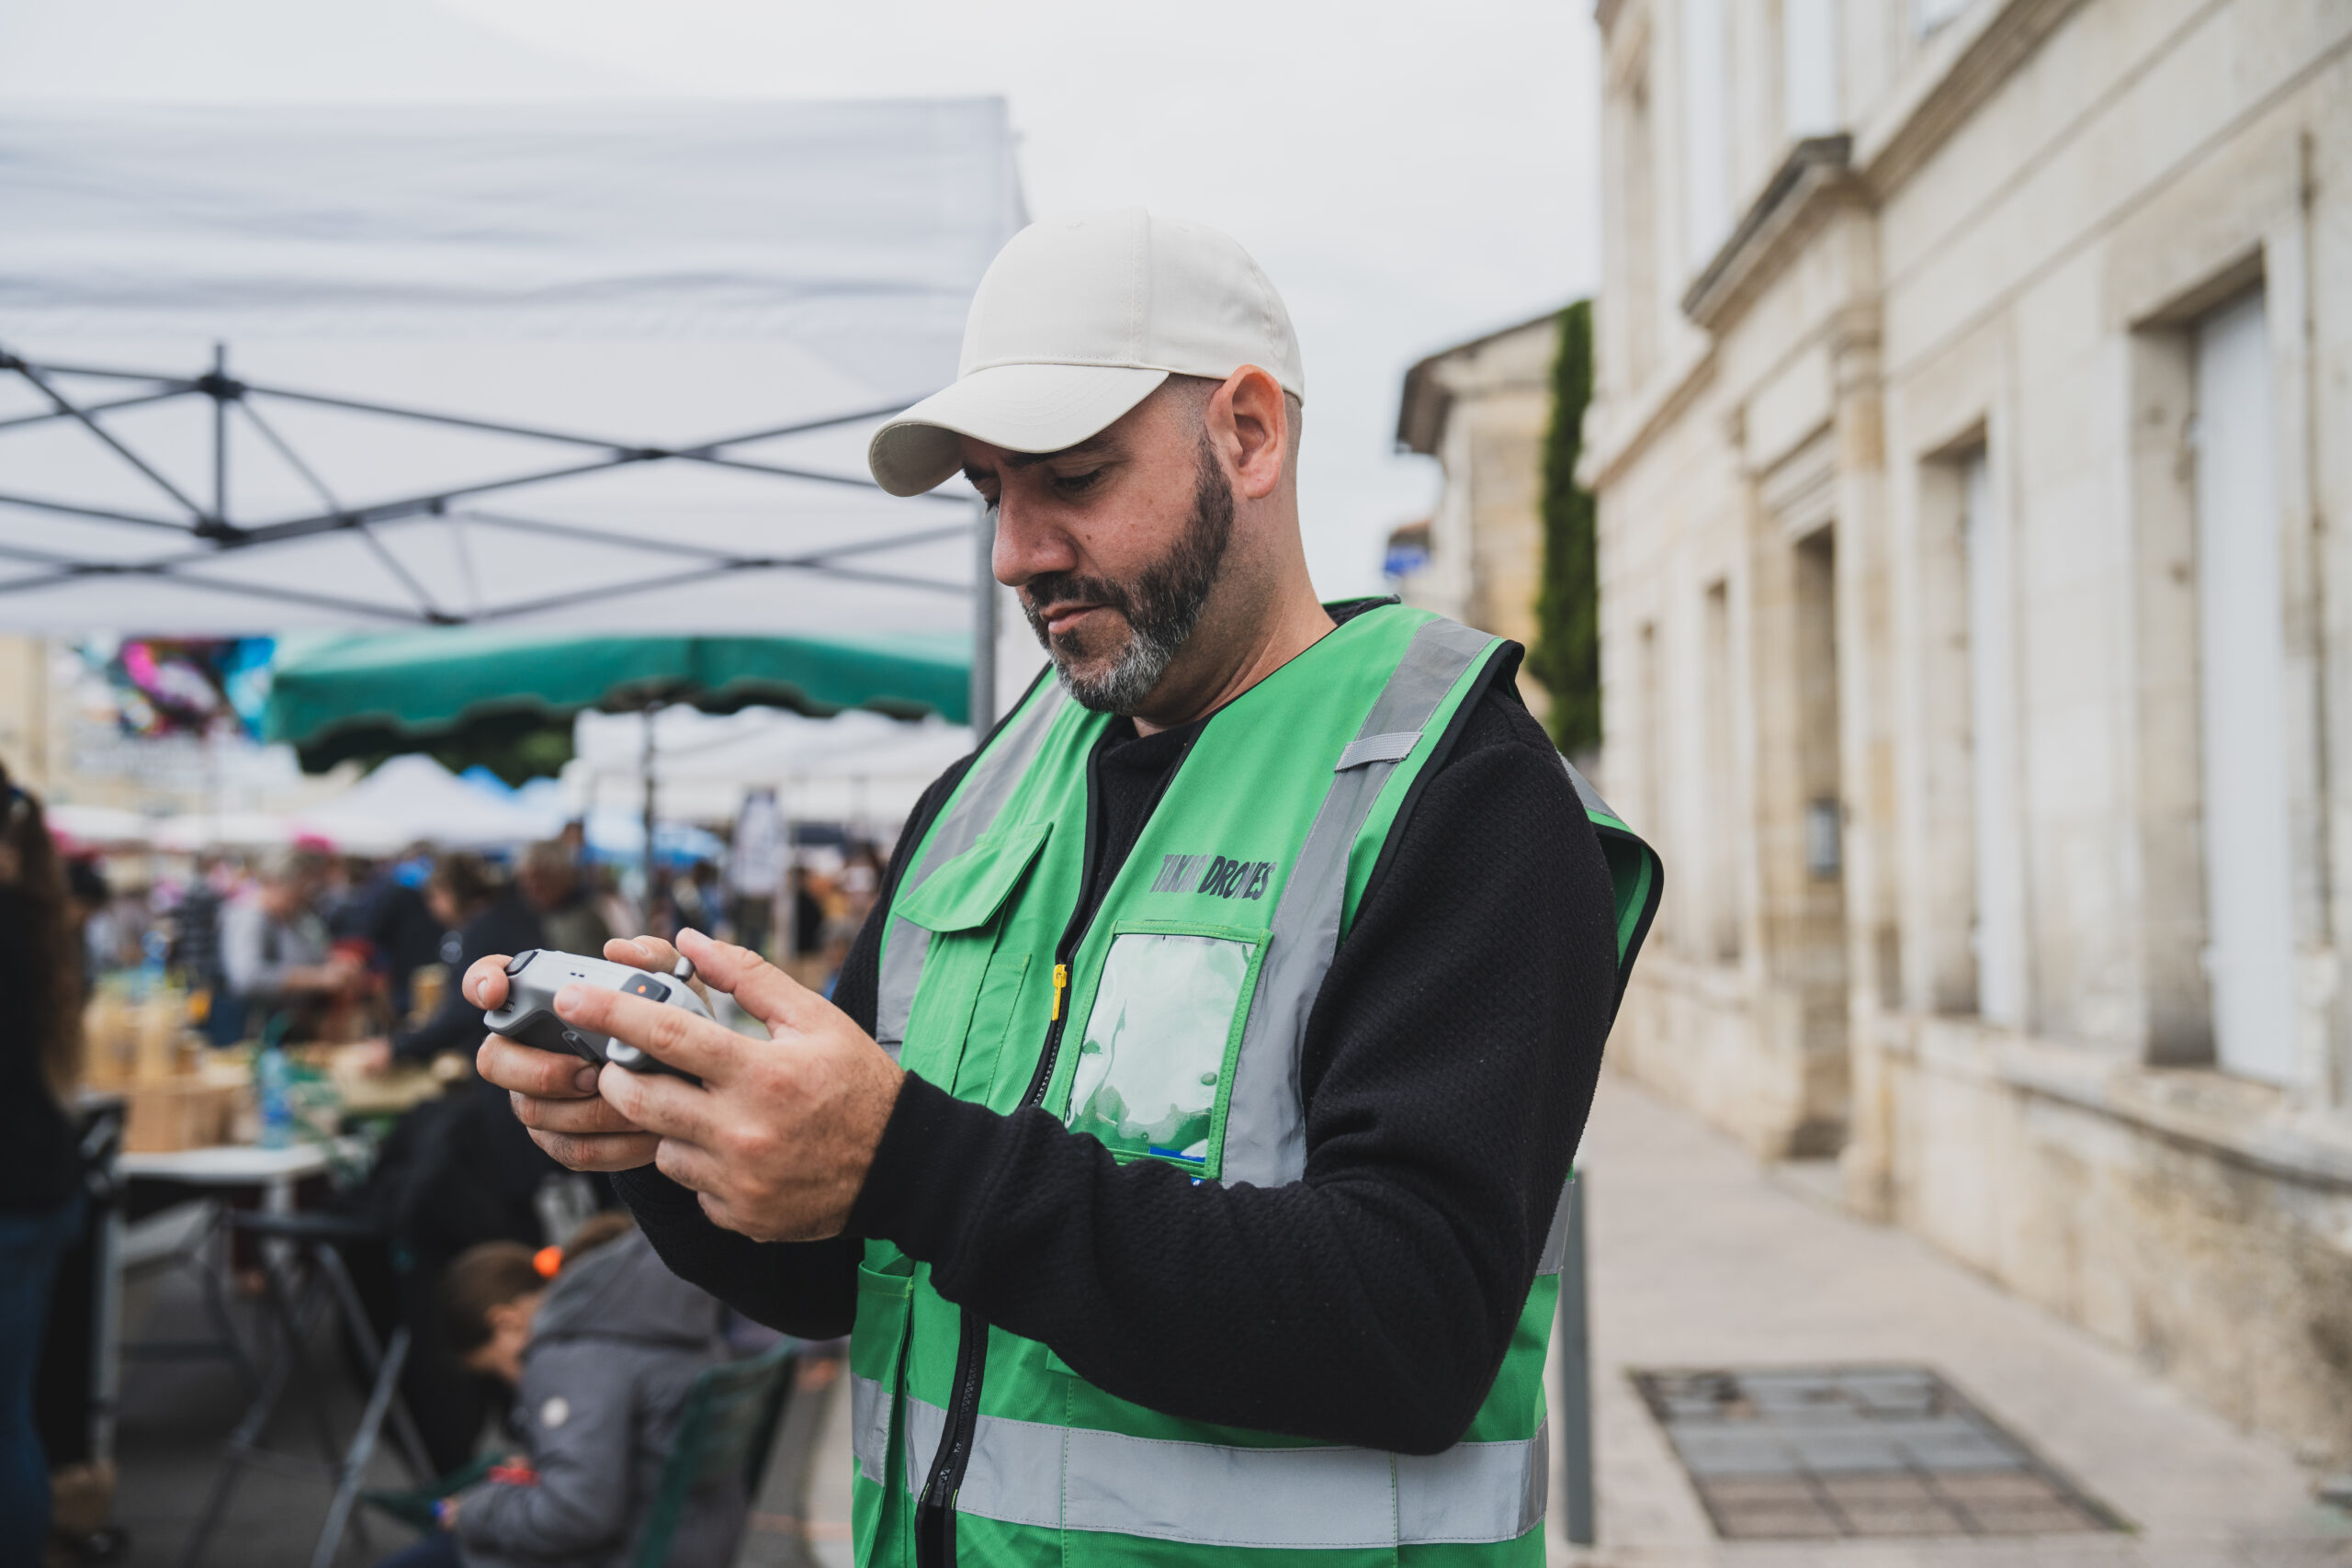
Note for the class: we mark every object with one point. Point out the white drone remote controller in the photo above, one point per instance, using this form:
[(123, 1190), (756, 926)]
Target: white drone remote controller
[(533, 978)]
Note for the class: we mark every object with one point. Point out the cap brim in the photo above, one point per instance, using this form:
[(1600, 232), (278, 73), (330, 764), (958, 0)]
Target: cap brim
[(1021, 408)]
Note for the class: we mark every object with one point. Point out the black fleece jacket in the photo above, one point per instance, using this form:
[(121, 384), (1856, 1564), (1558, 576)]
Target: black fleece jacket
[(1448, 1066)]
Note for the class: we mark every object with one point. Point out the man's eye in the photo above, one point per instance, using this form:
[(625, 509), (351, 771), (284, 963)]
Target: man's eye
[(1076, 484)]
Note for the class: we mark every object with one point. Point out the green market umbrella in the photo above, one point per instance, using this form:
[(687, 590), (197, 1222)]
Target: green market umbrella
[(497, 694), (370, 696)]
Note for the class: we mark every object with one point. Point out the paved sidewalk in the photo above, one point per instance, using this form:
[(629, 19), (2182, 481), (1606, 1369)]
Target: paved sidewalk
[(1702, 1258)]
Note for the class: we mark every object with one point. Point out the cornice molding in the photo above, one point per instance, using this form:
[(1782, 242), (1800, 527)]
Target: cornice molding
[(1964, 66), (1812, 182)]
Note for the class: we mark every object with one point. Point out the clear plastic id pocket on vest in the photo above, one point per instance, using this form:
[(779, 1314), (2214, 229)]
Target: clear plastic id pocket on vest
[(1155, 1061)]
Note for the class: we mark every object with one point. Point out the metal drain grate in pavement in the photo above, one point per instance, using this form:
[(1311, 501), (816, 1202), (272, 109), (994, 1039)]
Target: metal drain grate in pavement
[(1816, 1453)]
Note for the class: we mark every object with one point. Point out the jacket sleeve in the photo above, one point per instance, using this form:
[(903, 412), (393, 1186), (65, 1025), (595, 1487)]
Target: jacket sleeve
[(456, 1025), (1447, 1068), (582, 1503)]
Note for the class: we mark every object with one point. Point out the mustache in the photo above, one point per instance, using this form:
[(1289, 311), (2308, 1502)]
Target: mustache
[(1068, 588)]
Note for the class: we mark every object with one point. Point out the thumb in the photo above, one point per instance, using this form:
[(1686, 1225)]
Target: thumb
[(485, 982)]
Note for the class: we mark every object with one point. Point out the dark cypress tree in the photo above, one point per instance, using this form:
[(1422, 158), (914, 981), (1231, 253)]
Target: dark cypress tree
[(1566, 655)]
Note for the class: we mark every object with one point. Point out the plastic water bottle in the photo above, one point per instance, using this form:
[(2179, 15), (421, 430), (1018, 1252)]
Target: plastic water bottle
[(154, 948), (277, 1107)]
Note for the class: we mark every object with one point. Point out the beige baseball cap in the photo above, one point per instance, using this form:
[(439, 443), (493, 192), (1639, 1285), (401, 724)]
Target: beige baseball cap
[(1078, 319)]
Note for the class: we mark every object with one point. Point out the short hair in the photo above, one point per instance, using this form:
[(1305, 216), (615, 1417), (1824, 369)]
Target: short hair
[(549, 857), (287, 867), (465, 878), (494, 1274), (604, 1226), (85, 882)]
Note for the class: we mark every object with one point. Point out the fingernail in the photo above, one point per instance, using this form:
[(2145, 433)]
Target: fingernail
[(585, 1080), (570, 997), (686, 931)]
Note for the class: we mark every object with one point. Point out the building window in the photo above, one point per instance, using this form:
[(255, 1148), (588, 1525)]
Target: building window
[(1809, 67), (1706, 146), (1929, 15), (1651, 726), (1998, 937), (2242, 676), (1720, 782), (1819, 743)]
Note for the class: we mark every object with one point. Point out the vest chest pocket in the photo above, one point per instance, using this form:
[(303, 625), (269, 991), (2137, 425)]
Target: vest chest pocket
[(1155, 1061), (961, 906)]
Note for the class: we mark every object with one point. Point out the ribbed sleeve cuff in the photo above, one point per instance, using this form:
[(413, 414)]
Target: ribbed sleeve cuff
[(927, 1179), (646, 1188)]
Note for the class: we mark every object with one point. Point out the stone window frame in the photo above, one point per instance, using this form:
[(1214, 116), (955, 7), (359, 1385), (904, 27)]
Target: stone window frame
[(2240, 221), (1963, 402)]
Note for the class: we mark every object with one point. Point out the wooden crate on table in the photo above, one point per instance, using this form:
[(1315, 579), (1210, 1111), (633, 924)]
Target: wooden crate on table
[(180, 1113)]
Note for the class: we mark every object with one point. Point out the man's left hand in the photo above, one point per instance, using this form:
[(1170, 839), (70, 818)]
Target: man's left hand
[(778, 1137)]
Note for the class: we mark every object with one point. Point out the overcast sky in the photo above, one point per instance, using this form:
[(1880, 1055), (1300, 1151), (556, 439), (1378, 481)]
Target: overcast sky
[(1409, 174)]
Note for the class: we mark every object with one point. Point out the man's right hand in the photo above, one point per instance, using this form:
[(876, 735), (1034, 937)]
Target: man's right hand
[(555, 1095)]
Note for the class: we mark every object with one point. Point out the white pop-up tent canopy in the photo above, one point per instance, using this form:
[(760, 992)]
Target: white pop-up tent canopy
[(410, 799), (854, 766), (608, 368)]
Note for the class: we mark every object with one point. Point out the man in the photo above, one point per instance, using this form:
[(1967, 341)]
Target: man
[(550, 879), (1248, 986), (407, 935), (274, 952)]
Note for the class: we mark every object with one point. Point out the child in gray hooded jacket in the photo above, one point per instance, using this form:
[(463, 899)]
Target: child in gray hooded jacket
[(601, 1361)]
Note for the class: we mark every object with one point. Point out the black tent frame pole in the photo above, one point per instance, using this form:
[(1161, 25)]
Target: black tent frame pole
[(220, 436), (214, 533)]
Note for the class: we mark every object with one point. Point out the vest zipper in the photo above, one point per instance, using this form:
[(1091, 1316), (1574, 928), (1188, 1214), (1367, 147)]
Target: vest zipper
[(935, 1510)]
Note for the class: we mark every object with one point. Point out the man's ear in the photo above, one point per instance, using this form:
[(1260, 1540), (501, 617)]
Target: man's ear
[(1249, 421)]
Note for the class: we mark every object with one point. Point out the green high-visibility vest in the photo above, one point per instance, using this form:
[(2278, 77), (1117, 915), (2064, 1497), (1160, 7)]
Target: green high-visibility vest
[(1169, 1027)]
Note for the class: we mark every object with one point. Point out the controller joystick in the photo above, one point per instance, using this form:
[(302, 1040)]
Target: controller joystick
[(533, 978)]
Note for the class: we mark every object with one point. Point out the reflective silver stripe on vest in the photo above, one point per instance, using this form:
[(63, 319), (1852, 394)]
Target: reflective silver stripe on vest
[(1031, 1473), (978, 802), (869, 1427), (1379, 749), (1556, 1240), (1587, 796), (1265, 1134)]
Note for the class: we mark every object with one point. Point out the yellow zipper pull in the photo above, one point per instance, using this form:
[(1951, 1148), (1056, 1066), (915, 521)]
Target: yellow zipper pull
[(1062, 984)]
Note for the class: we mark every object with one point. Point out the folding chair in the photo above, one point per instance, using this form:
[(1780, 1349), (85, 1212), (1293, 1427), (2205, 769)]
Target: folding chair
[(320, 1238), (189, 1237)]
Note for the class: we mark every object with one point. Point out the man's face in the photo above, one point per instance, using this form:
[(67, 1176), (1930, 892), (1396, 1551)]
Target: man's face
[(1114, 543)]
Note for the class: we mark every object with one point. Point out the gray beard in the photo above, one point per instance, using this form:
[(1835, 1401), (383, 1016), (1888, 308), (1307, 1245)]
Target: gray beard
[(1160, 608)]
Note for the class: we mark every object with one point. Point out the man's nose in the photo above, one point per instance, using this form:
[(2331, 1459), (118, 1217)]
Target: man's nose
[(1026, 546)]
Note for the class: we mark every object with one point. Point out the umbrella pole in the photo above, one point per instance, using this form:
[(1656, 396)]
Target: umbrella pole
[(785, 908), (647, 764)]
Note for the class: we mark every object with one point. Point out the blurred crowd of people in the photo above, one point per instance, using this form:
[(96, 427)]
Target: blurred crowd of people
[(298, 946), (317, 947)]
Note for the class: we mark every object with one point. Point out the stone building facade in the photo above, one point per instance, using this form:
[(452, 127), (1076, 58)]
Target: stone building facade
[(1481, 409), (1974, 382)]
